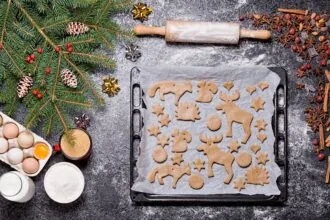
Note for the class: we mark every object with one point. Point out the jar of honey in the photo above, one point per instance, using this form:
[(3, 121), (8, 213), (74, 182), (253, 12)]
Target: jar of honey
[(76, 144)]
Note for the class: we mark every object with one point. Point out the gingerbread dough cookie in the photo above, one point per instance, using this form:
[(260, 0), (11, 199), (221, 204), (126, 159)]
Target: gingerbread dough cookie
[(187, 111), (260, 124), (164, 120), (257, 175), (257, 104), (157, 109), (154, 130), (213, 122), (168, 169), (244, 159), (228, 85), (233, 146), (199, 164), (235, 114), (159, 154), (206, 91), (177, 159), (262, 158), (261, 137), (216, 155), (263, 85), (166, 87), (239, 184), (196, 181), (255, 148), (180, 140), (162, 140), (250, 89)]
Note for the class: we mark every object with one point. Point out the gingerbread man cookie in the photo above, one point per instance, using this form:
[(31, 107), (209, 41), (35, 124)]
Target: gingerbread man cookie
[(206, 91)]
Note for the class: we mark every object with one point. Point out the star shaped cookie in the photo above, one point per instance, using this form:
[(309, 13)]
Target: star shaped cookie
[(164, 120), (228, 85), (262, 158), (157, 109), (263, 85), (250, 89), (199, 164), (162, 140), (239, 184), (154, 130), (257, 104), (177, 159), (255, 148), (260, 124), (233, 146), (261, 137)]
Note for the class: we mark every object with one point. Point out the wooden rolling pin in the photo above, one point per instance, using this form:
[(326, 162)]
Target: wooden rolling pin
[(202, 32)]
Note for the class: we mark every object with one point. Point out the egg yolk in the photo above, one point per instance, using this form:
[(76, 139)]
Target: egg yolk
[(41, 151)]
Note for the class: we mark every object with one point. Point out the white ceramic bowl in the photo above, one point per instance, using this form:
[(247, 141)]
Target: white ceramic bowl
[(64, 182)]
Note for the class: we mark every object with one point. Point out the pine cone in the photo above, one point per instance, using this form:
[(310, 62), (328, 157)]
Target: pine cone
[(23, 86), (68, 78), (76, 28)]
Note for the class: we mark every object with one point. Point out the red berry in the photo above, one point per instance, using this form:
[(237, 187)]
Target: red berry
[(32, 56), (28, 59), (303, 47), (301, 18), (287, 16), (325, 47), (31, 61), (70, 49), (48, 70), (321, 156), (57, 49), (57, 148), (319, 99), (308, 66), (1, 46), (68, 45), (297, 40), (40, 50), (328, 52), (323, 62), (292, 31), (315, 142), (39, 96), (241, 18), (35, 92), (302, 68)]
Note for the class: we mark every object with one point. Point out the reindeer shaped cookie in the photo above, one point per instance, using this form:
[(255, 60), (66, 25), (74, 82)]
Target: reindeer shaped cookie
[(235, 114), (206, 91), (168, 169), (166, 87), (216, 155), (180, 140)]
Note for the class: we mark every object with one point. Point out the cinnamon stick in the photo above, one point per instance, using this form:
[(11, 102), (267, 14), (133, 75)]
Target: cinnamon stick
[(327, 74), (326, 97), (293, 11), (327, 141), (327, 176), (321, 134)]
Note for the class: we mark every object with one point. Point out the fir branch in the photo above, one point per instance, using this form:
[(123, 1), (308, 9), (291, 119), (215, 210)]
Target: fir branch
[(13, 61), (57, 77), (84, 104), (36, 113), (65, 126), (4, 22)]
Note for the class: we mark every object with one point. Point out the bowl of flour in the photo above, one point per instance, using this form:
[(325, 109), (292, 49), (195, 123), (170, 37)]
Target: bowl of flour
[(64, 182)]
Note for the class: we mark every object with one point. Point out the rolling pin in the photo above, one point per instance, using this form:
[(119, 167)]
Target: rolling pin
[(202, 32)]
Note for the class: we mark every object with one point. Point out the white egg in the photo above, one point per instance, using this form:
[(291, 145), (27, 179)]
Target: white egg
[(15, 156), (25, 139), (3, 145)]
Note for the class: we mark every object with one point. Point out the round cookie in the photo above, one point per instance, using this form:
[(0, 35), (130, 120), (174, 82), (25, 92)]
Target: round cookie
[(244, 159), (196, 181), (213, 123), (159, 154)]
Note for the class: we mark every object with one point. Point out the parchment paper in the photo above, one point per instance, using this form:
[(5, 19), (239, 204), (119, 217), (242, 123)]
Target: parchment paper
[(242, 76)]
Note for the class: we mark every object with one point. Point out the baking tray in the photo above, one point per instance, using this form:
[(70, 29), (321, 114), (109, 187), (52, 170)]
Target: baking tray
[(279, 125)]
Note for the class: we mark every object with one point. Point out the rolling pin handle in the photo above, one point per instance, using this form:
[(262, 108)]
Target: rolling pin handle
[(147, 30), (255, 34)]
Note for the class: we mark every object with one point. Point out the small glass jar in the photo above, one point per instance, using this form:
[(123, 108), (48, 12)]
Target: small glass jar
[(16, 187), (76, 145)]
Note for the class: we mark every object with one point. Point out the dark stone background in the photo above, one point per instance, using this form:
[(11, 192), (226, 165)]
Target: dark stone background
[(106, 195)]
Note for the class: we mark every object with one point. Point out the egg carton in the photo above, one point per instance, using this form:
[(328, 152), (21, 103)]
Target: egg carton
[(27, 152)]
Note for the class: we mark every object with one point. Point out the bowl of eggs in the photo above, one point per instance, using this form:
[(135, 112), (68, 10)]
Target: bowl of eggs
[(22, 149)]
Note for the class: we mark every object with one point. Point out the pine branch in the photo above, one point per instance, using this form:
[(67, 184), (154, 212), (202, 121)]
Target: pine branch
[(84, 104), (12, 60), (5, 21), (65, 126)]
